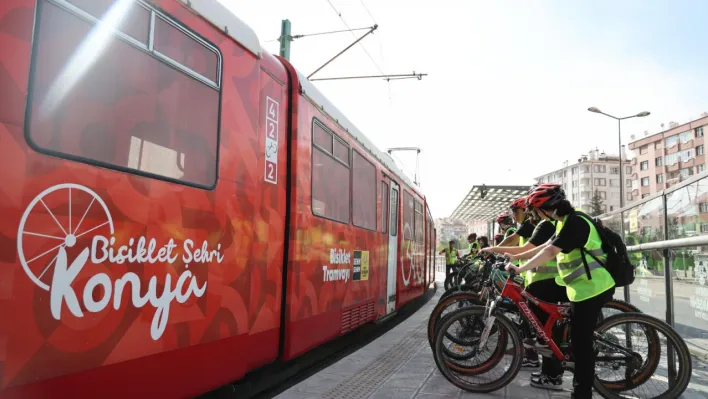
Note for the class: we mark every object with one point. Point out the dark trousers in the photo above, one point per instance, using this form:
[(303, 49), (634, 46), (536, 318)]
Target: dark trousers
[(582, 325), (548, 291), (448, 269)]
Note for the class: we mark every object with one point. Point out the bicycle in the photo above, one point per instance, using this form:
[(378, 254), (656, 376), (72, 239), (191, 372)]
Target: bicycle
[(484, 322), (468, 294)]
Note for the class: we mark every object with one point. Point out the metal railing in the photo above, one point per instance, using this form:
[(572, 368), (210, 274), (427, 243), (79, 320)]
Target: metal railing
[(666, 234)]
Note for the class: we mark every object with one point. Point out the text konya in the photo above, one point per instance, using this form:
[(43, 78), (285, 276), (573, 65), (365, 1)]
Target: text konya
[(145, 251)]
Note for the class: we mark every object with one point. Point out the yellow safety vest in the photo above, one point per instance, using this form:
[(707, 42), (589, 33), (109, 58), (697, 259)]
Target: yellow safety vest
[(450, 257), (474, 245), (546, 271), (571, 268)]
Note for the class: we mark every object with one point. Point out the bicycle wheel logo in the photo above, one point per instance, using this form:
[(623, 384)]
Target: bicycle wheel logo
[(72, 227), (53, 248)]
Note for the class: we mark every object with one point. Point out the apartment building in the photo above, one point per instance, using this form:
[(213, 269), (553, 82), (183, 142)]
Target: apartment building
[(450, 229), (593, 171), (666, 158)]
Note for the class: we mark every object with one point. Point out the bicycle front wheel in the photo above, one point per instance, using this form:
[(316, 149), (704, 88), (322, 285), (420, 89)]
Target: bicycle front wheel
[(461, 374)]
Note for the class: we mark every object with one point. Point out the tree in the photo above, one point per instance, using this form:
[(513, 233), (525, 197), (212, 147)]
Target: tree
[(596, 204)]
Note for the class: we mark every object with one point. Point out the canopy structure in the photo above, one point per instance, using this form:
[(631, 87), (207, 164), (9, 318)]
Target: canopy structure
[(484, 203)]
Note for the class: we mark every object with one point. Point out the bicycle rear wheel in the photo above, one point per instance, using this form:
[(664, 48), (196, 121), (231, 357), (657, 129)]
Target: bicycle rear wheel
[(630, 349), (504, 350)]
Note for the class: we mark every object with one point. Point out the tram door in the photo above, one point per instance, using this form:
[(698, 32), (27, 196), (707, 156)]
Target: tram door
[(392, 249)]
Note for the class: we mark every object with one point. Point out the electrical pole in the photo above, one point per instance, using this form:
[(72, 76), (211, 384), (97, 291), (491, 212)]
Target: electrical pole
[(285, 39)]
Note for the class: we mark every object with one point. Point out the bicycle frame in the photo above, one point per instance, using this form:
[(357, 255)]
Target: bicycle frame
[(518, 295)]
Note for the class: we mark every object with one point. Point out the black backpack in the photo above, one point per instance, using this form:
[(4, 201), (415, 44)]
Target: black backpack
[(617, 264)]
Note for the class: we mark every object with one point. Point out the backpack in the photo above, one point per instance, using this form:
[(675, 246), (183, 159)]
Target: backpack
[(617, 264)]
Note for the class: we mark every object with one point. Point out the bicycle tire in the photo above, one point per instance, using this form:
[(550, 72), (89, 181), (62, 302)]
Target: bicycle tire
[(444, 303), (453, 359), (505, 326), (680, 347)]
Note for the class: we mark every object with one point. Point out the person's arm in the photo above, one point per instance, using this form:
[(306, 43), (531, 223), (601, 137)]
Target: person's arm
[(441, 252), (509, 250), (574, 234), (511, 241), (545, 253), (529, 253)]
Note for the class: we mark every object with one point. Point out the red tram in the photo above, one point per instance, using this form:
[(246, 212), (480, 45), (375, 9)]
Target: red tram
[(180, 207)]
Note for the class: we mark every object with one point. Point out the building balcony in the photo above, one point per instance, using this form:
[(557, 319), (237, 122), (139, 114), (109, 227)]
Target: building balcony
[(671, 150), (673, 168), (686, 146), (688, 164)]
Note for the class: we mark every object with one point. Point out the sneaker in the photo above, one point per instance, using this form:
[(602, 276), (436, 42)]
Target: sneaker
[(545, 382), (530, 364), (536, 374), (530, 343)]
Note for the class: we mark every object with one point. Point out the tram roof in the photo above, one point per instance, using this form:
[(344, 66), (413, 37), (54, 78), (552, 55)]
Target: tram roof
[(222, 17), (309, 90), (496, 200)]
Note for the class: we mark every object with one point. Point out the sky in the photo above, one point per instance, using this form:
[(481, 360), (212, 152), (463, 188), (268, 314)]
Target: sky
[(509, 82)]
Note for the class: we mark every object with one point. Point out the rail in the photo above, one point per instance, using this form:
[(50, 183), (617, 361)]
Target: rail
[(670, 244), (667, 239)]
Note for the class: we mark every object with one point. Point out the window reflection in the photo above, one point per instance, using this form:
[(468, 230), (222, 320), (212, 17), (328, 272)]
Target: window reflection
[(154, 158)]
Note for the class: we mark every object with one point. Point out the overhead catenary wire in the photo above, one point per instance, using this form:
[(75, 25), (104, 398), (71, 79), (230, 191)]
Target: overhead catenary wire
[(319, 34), (378, 39), (339, 14)]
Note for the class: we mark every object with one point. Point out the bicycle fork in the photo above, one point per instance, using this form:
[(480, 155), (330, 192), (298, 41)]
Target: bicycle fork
[(488, 323)]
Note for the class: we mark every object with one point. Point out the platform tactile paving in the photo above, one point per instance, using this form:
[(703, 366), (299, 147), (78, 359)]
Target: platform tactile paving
[(363, 383)]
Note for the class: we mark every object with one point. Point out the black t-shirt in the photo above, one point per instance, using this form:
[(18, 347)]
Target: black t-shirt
[(526, 229), (544, 231), (574, 235)]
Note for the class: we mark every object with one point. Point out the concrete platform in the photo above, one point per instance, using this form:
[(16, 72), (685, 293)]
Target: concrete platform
[(400, 365)]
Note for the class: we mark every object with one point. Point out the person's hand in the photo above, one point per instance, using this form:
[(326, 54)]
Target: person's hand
[(510, 266), (511, 257)]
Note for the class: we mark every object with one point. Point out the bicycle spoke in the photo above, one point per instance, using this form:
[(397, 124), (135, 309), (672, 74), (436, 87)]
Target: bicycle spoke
[(69, 210), (53, 217), (92, 229), (48, 266), (85, 213), (39, 256), (43, 235)]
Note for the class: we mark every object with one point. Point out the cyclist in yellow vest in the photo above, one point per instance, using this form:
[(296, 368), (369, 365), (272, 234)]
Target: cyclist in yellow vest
[(539, 283), (507, 228), (588, 285), (451, 256), (474, 245)]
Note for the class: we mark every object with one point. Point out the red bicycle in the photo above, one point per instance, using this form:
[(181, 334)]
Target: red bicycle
[(628, 347)]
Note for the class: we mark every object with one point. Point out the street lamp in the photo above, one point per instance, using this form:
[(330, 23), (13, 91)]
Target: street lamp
[(619, 136)]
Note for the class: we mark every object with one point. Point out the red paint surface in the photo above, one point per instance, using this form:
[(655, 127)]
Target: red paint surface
[(211, 340)]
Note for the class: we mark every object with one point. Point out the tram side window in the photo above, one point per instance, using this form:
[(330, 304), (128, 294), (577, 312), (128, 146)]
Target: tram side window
[(330, 175), (115, 103), (363, 192), (384, 207), (394, 215), (419, 235), (408, 216)]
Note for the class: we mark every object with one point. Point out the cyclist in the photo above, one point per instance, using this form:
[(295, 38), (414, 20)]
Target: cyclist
[(516, 241), (474, 245), (588, 285), (483, 242), (507, 228), (540, 282), (498, 238), (451, 256)]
